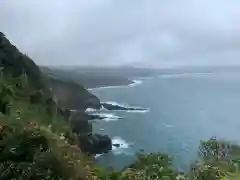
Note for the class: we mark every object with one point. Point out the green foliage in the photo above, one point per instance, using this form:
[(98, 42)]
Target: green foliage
[(214, 149), (206, 172), (218, 151), (37, 142), (80, 126), (34, 145), (15, 63), (218, 159), (155, 166)]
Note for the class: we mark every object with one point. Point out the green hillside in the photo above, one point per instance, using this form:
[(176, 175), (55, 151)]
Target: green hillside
[(41, 139)]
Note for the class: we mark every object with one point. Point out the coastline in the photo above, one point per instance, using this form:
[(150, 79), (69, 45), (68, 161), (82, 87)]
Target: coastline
[(132, 84)]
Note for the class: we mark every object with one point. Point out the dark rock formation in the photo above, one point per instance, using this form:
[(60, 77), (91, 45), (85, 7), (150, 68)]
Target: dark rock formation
[(120, 108), (88, 142), (59, 97), (117, 145), (94, 116), (95, 143), (80, 125)]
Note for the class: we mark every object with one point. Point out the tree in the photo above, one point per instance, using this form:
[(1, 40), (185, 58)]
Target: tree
[(214, 149), (155, 166)]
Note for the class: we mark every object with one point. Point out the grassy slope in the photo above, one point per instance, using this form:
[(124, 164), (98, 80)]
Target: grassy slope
[(36, 145)]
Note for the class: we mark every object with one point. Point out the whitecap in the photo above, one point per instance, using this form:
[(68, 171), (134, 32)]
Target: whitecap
[(179, 75), (134, 109), (138, 111), (135, 83), (116, 104), (97, 156), (123, 146), (103, 109), (107, 87), (107, 116), (73, 110), (88, 110), (168, 126)]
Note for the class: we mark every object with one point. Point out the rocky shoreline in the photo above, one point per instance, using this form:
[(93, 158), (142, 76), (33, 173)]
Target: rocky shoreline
[(71, 95), (114, 107)]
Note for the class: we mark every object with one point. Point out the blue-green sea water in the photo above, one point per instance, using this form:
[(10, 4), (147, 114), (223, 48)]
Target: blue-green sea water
[(184, 108)]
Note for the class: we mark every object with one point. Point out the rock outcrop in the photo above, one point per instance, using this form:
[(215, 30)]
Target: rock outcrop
[(120, 108), (72, 96), (95, 143)]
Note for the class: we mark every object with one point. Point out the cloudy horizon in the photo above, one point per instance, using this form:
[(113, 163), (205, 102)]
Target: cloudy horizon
[(153, 33)]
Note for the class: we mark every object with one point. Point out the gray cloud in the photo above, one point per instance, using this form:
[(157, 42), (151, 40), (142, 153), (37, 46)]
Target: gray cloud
[(142, 32)]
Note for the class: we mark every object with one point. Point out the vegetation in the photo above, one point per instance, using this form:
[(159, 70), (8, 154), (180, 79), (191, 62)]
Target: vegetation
[(35, 145), (37, 141), (16, 63)]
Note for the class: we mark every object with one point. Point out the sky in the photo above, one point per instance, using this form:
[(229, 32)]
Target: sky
[(152, 33)]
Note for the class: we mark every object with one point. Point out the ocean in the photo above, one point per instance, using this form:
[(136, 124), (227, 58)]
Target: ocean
[(181, 110)]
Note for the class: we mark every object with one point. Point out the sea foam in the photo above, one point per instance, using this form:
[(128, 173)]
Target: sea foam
[(107, 116), (134, 109), (133, 84)]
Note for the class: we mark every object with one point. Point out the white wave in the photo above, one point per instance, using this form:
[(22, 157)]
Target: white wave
[(124, 105), (107, 87), (107, 116), (116, 104), (184, 75), (122, 149), (168, 126), (90, 110), (134, 83), (97, 155), (73, 110), (138, 111), (123, 145), (103, 109)]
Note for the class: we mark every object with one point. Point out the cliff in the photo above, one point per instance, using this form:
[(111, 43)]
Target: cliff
[(71, 95), (15, 63), (89, 79), (54, 95)]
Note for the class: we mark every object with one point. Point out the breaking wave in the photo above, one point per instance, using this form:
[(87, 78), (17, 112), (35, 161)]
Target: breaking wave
[(107, 116), (122, 146), (133, 84), (127, 108)]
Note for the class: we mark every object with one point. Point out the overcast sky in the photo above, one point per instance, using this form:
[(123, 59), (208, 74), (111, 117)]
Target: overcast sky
[(161, 33)]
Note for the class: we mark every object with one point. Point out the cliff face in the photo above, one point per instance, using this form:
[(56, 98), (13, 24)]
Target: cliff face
[(53, 94), (89, 79), (72, 96), (69, 95)]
